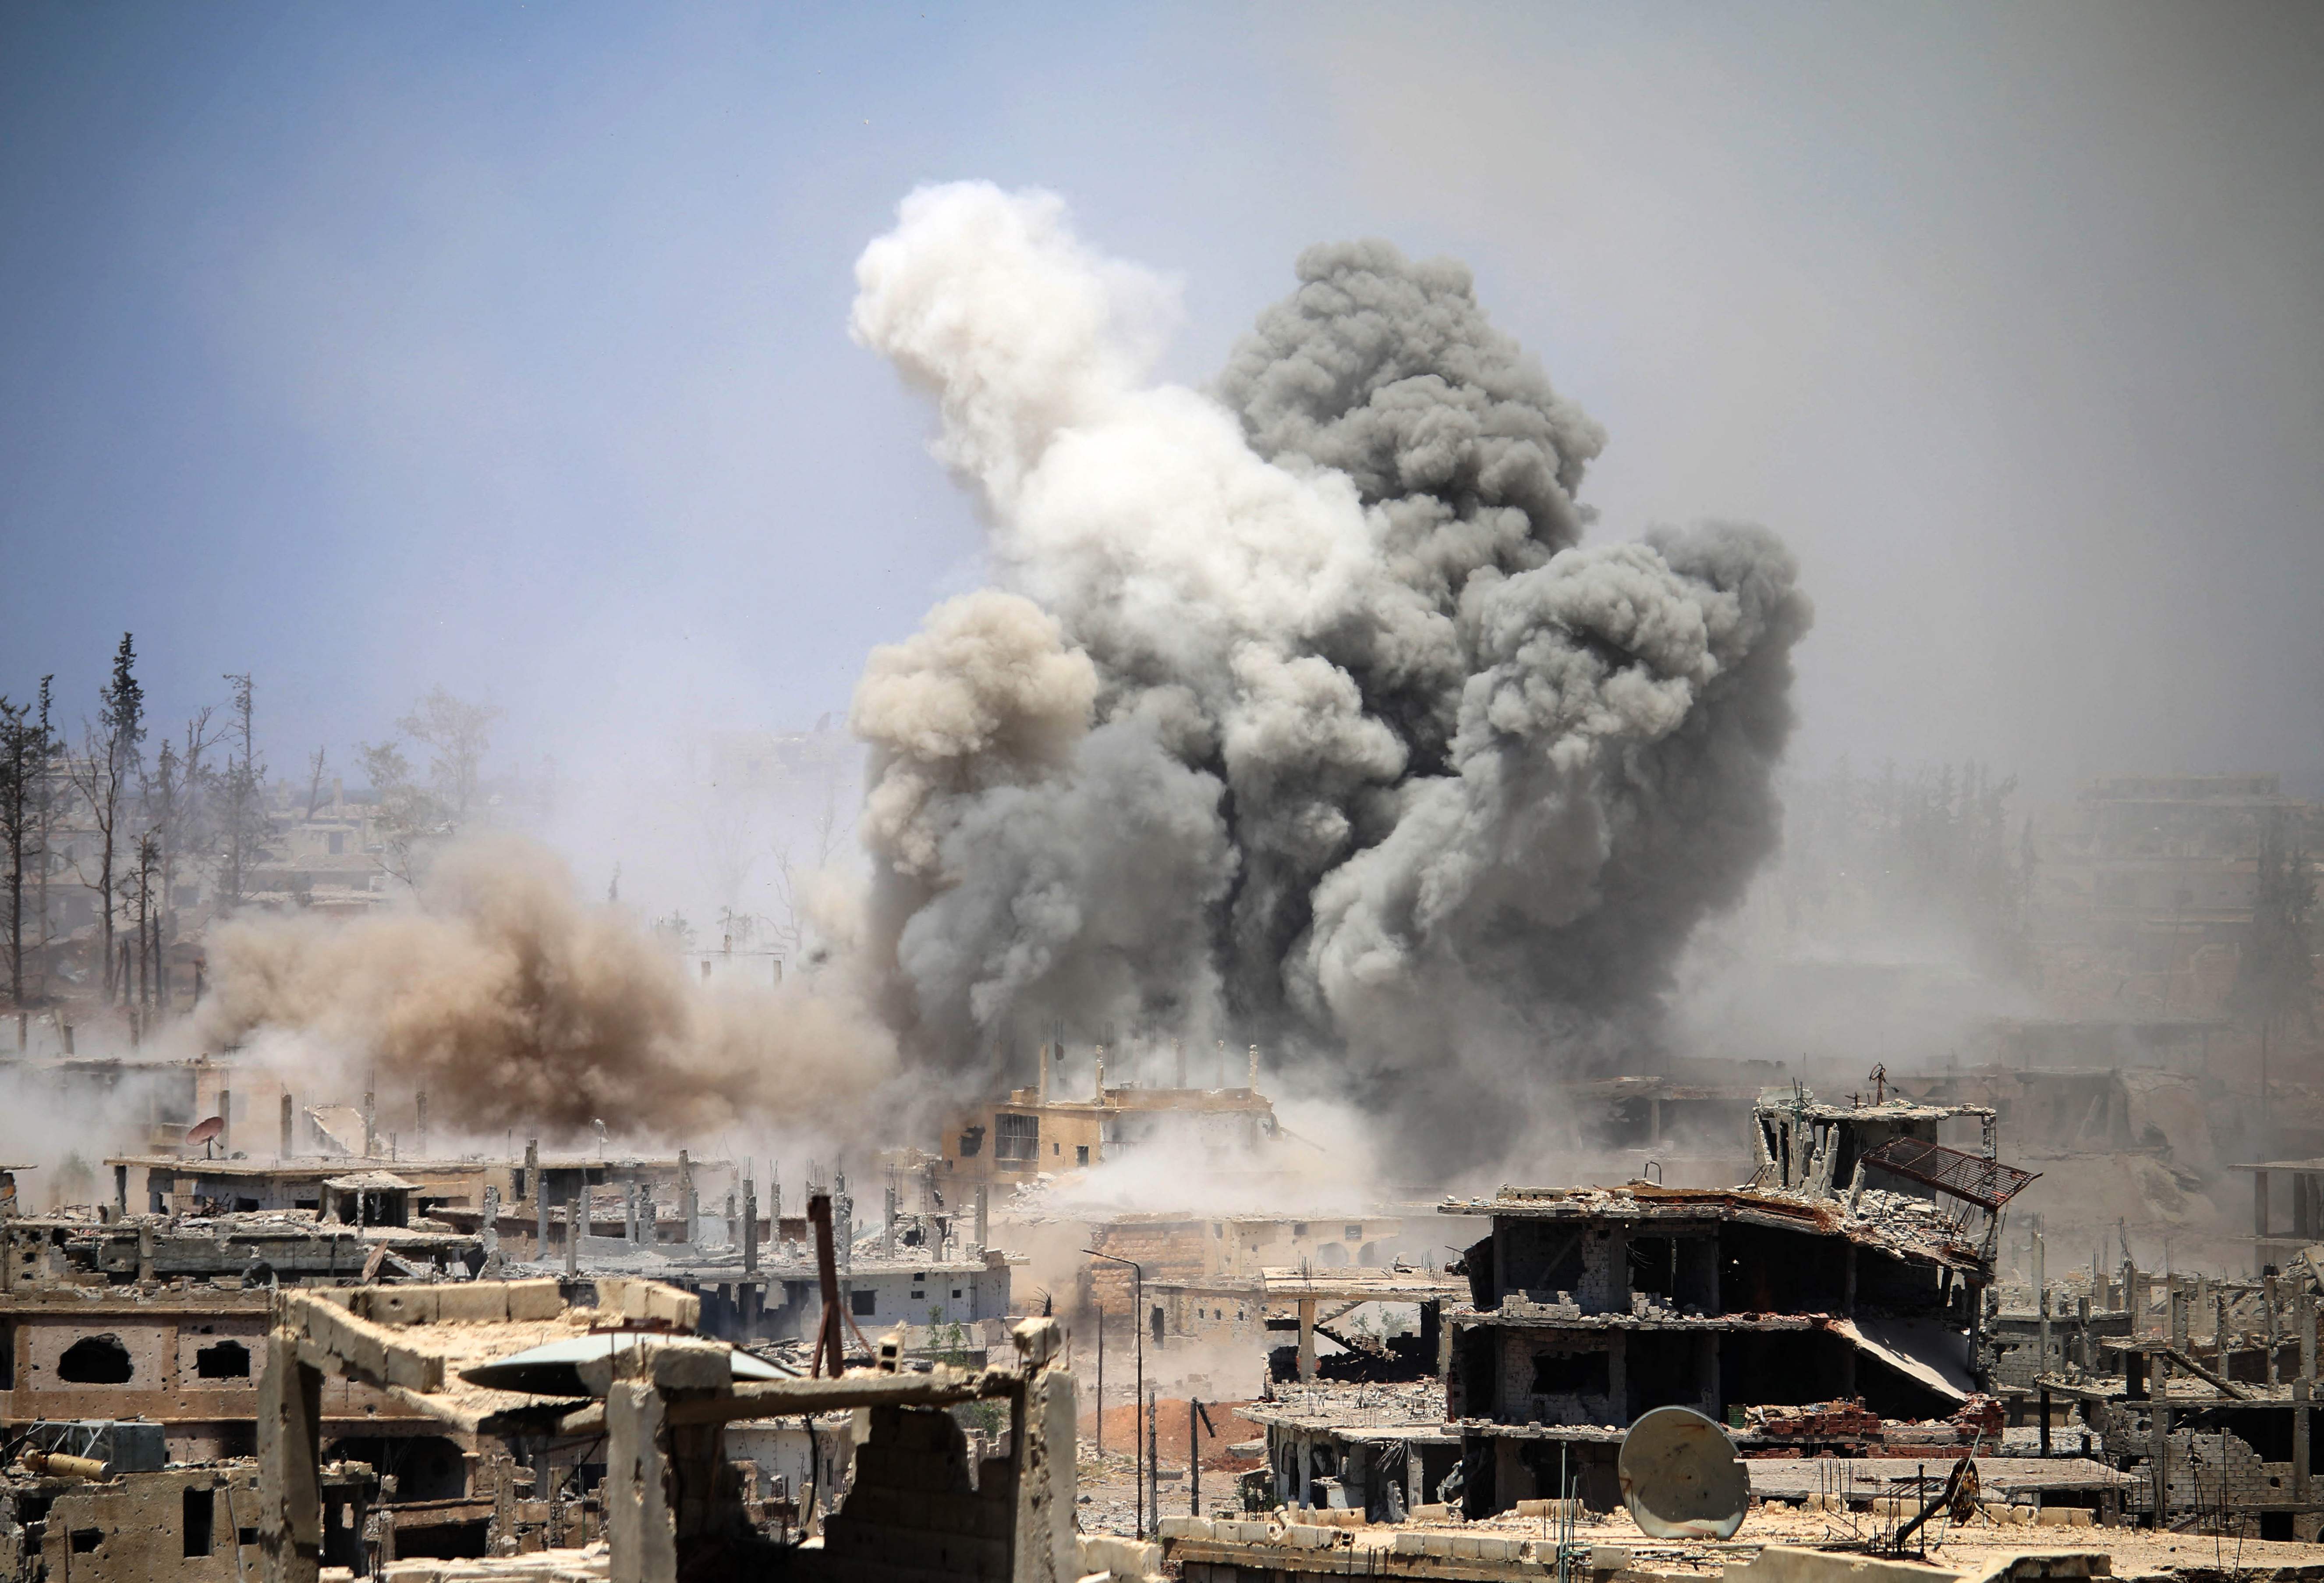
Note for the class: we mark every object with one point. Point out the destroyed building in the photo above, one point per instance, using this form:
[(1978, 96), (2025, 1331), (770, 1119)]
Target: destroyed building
[(2142, 889), (1849, 1272), (196, 1522), (1039, 1130), (922, 1499), (1590, 1307)]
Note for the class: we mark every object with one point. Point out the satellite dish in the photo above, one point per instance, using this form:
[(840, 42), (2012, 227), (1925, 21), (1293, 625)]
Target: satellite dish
[(202, 1131), (555, 1369), (1681, 1477)]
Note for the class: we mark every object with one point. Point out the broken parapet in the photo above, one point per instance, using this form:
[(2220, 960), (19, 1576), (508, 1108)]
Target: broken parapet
[(188, 1522), (672, 1508)]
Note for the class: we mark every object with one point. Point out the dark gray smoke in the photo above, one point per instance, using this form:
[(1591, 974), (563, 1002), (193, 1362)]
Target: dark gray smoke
[(1305, 718)]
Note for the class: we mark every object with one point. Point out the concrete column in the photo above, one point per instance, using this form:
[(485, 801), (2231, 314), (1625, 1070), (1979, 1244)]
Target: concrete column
[(2042, 1309), (1307, 1359), (983, 1215), (689, 1203), (640, 1521), (225, 1115), (750, 1228), (2158, 1449), (576, 1221), (371, 1124), (121, 1190), (290, 1481), (287, 1143), (1254, 1069), (1042, 1447), (2259, 1220), (2303, 1391), (2275, 1330), (1041, 1090), (2303, 1314), (630, 1211)]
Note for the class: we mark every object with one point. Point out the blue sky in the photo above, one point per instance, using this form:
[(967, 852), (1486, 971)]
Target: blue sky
[(504, 347)]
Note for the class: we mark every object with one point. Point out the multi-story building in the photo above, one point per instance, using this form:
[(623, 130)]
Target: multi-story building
[(1038, 1130)]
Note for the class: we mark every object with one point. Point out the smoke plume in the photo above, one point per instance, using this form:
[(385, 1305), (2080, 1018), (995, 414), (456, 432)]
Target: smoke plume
[(514, 1005), (1301, 715)]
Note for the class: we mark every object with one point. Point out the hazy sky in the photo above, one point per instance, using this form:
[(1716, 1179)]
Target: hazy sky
[(505, 347)]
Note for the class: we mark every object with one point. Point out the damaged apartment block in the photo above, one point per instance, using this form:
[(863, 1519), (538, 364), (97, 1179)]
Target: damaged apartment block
[(919, 1505), (1847, 1278)]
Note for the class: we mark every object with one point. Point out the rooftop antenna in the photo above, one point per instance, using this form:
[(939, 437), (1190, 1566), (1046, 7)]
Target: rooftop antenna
[(1879, 1076), (600, 1126)]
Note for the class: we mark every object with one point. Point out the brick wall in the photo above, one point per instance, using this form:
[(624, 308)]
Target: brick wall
[(2203, 1465), (913, 1508)]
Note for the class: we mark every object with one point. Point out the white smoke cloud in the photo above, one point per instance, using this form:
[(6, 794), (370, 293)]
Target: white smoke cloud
[(1304, 714)]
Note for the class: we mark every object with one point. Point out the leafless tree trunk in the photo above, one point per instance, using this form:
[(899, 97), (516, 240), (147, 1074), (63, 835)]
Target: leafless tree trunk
[(44, 815), (112, 751), (456, 733), (245, 812), (25, 751)]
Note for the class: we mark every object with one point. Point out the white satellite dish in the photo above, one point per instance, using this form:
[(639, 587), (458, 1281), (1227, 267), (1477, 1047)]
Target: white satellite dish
[(1681, 1477)]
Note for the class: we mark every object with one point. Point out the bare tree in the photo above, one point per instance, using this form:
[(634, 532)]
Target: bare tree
[(44, 810), (247, 832), (790, 931), (406, 815), (176, 799), (174, 806), (112, 753), (314, 781), (147, 876), (456, 733), (25, 752)]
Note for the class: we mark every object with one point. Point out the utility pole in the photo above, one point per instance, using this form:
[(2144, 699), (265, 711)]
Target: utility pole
[(1138, 1333), (1197, 1422)]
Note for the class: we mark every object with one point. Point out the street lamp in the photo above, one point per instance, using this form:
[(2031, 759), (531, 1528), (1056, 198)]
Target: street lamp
[(1138, 1334)]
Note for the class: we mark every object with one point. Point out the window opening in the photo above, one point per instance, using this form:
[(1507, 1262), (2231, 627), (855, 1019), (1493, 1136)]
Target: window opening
[(226, 1360), (199, 1504), (95, 1360)]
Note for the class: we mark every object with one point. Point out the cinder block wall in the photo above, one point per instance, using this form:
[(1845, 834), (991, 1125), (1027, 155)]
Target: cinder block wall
[(913, 1506)]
